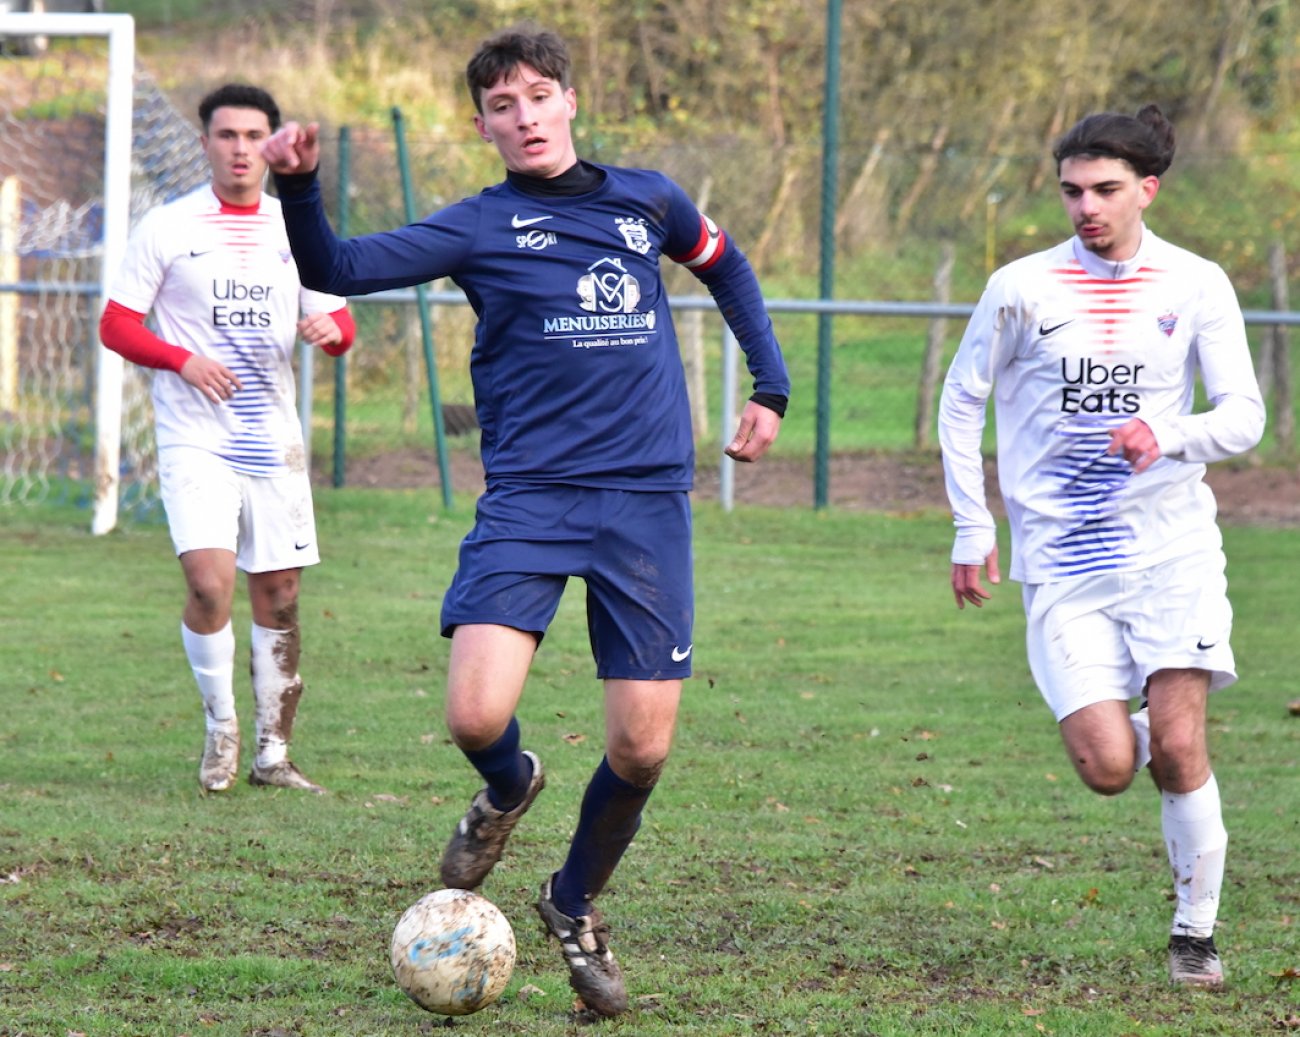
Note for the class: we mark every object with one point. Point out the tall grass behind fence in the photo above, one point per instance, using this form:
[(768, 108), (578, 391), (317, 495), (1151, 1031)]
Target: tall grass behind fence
[(900, 216)]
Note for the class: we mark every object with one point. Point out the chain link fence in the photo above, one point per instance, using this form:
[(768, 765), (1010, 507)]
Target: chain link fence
[(917, 237)]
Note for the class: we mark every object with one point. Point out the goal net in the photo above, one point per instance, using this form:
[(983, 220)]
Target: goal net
[(87, 144)]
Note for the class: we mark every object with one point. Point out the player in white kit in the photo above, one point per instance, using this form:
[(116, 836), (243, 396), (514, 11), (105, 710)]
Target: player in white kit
[(215, 269), (1090, 351)]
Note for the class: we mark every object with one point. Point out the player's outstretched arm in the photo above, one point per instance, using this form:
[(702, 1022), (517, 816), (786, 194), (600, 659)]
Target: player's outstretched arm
[(293, 148), (966, 585), (756, 432)]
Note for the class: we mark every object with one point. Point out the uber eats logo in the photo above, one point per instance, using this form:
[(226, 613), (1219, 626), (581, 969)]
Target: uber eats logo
[(1092, 387), (239, 305)]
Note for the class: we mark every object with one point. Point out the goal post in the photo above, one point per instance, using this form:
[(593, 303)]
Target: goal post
[(119, 32)]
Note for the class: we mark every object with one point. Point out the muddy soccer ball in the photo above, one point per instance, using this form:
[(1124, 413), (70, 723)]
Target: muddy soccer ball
[(453, 952)]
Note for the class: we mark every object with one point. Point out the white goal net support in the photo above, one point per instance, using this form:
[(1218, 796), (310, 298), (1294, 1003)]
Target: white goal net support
[(86, 146)]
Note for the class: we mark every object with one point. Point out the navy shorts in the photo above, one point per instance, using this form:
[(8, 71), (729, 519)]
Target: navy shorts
[(633, 550)]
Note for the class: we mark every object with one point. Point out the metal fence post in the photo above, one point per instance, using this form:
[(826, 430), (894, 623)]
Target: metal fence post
[(726, 465), (341, 362), (426, 329)]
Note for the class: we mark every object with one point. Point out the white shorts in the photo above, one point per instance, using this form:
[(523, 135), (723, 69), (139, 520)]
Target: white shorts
[(268, 523), (1099, 638)]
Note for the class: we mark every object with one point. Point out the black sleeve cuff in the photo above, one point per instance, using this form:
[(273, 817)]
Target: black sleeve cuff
[(291, 184), (772, 401)]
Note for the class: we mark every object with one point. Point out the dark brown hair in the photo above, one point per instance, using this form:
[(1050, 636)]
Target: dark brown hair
[(523, 44), (1145, 141)]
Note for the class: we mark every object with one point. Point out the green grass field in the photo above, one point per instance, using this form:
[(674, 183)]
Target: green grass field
[(867, 828)]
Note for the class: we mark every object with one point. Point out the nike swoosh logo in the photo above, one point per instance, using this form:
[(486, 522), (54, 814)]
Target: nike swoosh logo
[(1203, 646), (301, 547), (1044, 330), (519, 224), (679, 655), (201, 252)]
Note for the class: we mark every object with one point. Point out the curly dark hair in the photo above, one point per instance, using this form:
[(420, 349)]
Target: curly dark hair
[(239, 95)]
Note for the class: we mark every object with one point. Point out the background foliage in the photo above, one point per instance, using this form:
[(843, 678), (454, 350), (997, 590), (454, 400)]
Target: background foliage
[(942, 104)]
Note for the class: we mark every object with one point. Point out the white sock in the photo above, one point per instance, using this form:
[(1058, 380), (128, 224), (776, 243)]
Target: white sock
[(1141, 721), (212, 658), (1197, 843), (275, 694)]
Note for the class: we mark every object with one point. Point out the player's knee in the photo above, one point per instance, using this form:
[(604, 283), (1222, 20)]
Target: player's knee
[(209, 595), (638, 765), (1176, 746), (275, 597), (473, 728), (1105, 778), (1109, 785)]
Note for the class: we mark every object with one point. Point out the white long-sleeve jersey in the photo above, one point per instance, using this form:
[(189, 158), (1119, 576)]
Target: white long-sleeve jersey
[(1070, 346)]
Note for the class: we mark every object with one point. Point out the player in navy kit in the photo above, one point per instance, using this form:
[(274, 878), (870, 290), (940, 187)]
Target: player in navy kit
[(586, 445), (1089, 351)]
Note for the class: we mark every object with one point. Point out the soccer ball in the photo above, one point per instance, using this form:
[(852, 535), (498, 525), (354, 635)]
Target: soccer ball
[(453, 952)]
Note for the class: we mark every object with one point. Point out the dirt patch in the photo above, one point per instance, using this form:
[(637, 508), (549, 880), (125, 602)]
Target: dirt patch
[(1247, 494)]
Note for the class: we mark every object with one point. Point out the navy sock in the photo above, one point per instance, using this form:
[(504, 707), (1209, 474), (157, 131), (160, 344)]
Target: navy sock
[(504, 767), (610, 817)]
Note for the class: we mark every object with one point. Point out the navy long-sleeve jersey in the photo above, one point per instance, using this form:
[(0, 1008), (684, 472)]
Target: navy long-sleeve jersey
[(576, 369)]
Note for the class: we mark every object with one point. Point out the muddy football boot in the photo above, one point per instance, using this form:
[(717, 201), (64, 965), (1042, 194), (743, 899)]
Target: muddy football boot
[(584, 942), (282, 775), (1194, 962), (220, 761), (480, 836)]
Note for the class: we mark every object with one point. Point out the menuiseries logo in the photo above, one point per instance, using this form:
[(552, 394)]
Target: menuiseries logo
[(607, 287)]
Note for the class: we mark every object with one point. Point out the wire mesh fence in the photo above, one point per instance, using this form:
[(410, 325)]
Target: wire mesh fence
[(902, 219)]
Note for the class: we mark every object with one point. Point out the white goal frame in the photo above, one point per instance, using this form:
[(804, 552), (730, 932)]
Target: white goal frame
[(120, 32)]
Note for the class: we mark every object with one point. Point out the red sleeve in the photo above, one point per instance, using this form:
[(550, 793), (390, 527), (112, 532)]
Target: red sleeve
[(122, 330), (347, 328)]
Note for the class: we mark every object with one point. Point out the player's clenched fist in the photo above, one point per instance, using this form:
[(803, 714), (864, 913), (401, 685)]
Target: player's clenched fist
[(293, 148)]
